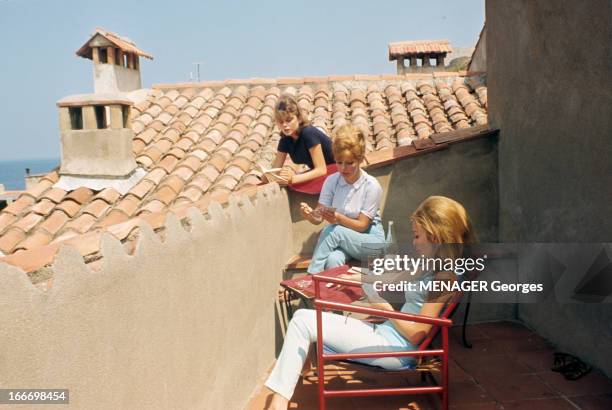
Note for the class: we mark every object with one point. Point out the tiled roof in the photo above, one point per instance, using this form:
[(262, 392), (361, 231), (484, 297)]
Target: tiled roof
[(122, 43), (200, 142), (406, 48)]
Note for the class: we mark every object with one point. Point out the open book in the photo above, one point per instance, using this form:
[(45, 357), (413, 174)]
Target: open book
[(273, 174)]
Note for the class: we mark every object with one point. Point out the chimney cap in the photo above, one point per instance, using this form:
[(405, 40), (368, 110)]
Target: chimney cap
[(123, 43), (81, 100), (414, 48)]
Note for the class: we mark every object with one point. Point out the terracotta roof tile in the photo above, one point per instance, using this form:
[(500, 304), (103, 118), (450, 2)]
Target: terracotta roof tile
[(242, 163), (164, 194), (54, 194), (192, 162), (18, 206), (168, 163), (137, 145), (183, 172), (156, 175), (38, 189), (218, 161), (27, 222), (34, 240), (208, 145), (152, 206), (192, 194), (70, 207), (176, 152), (225, 182), (210, 171), (113, 217), (201, 183), (10, 239), (43, 207), (55, 222), (128, 205), (174, 182), (96, 208), (80, 195), (5, 220), (84, 222), (110, 195), (141, 189)]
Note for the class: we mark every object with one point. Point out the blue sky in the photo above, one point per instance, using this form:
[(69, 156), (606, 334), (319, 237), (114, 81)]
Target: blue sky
[(233, 39)]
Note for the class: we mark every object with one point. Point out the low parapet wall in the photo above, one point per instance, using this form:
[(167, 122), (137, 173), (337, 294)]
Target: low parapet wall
[(187, 321)]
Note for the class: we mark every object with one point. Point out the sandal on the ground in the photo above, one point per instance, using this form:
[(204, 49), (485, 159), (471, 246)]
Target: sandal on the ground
[(563, 360), (576, 370)]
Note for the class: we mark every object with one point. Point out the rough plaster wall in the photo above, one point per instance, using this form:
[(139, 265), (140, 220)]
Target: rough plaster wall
[(188, 323), (111, 78), (550, 93)]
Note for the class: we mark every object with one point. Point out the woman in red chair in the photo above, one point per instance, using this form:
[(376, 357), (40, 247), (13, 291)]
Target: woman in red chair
[(438, 220)]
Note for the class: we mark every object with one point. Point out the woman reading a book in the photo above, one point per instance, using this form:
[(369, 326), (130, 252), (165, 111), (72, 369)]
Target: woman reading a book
[(349, 202), (438, 220), (305, 145)]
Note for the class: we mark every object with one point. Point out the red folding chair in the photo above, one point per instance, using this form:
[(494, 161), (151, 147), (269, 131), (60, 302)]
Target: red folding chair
[(442, 323)]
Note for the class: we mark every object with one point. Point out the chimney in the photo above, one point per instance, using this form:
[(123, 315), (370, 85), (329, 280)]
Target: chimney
[(416, 56), (116, 62), (96, 136)]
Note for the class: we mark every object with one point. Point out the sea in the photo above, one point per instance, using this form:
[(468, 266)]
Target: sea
[(12, 172)]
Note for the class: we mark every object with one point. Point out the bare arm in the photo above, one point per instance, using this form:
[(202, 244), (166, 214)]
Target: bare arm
[(359, 224), (278, 162), (414, 332), (320, 168)]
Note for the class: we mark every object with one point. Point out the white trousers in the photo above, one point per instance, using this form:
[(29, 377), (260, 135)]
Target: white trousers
[(341, 334)]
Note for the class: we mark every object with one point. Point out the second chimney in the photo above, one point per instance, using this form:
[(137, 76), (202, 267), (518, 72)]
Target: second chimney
[(416, 56)]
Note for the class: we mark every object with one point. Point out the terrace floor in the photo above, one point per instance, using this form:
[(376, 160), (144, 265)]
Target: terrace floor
[(508, 367)]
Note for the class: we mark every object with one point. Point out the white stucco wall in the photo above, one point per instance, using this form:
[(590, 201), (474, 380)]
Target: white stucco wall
[(111, 78)]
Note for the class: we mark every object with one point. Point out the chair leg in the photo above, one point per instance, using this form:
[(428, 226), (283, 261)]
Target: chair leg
[(465, 319)]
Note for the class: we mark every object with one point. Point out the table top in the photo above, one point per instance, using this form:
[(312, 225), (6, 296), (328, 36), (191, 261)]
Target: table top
[(305, 287)]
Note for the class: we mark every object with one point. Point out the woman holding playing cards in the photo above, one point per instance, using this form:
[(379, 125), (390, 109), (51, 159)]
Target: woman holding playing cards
[(349, 202)]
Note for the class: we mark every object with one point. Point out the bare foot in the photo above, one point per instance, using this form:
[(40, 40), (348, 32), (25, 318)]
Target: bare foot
[(278, 403)]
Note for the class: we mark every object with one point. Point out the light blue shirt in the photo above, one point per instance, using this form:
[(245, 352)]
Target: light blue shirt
[(413, 305), (363, 196)]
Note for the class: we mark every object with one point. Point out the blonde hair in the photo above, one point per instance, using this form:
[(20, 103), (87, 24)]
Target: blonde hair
[(349, 138), (287, 107), (445, 220)]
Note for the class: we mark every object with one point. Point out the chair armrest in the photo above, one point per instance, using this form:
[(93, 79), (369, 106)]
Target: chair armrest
[(436, 321)]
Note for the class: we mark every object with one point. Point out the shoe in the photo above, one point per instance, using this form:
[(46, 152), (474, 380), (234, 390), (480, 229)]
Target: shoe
[(576, 370), (562, 360)]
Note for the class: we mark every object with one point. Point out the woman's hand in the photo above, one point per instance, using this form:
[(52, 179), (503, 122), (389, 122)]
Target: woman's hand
[(329, 216), (286, 174), (310, 214)]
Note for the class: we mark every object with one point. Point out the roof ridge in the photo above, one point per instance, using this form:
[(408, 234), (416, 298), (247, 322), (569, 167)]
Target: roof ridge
[(307, 80)]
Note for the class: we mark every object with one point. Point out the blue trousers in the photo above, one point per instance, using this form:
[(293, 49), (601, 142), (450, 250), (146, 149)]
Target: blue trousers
[(337, 243)]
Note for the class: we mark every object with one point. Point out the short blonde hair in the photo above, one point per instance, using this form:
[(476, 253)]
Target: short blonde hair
[(287, 107), (445, 220), (349, 138)]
